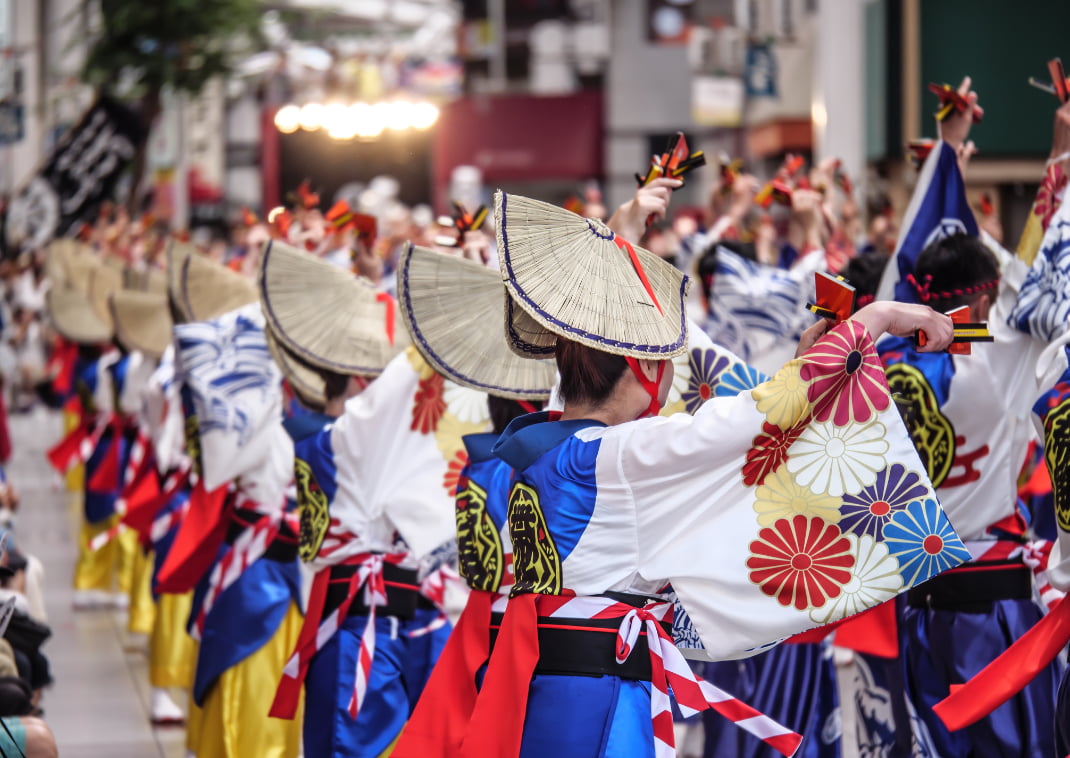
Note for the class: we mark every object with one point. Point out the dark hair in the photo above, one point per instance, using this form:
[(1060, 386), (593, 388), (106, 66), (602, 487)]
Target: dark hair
[(950, 271), (587, 375), (864, 272), (334, 384), (503, 410)]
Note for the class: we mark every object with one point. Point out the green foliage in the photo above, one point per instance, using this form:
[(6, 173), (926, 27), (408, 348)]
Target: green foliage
[(155, 43)]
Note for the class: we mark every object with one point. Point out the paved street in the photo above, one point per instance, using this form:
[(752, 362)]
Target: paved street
[(98, 707)]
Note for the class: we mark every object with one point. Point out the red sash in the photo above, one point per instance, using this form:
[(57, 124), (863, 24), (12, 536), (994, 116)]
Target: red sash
[(437, 726)]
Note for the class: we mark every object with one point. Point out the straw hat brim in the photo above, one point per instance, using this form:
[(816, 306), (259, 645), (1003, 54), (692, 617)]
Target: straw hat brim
[(74, 317), (68, 265), (59, 252), (576, 279), (453, 308), (142, 321), (325, 315), (146, 280), (177, 253), (309, 385), (103, 281), (208, 290)]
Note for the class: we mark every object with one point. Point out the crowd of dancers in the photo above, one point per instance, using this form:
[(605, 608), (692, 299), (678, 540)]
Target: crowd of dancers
[(516, 488)]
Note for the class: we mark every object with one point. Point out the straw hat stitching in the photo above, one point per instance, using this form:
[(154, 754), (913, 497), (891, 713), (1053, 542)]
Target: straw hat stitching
[(229, 283), (433, 357), (518, 344), (301, 351), (299, 375), (564, 329)]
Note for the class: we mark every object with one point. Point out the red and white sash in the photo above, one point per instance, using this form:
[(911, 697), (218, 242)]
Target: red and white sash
[(318, 630)]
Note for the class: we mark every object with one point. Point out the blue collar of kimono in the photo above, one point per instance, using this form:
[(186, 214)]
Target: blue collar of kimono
[(528, 437), (480, 447)]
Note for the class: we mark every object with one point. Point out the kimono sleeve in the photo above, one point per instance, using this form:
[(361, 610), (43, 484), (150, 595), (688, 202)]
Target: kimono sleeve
[(388, 460), (789, 506)]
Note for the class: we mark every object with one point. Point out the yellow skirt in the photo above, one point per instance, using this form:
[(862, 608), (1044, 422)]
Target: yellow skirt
[(234, 721), (171, 650), (142, 617), (96, 569), (76, 476)]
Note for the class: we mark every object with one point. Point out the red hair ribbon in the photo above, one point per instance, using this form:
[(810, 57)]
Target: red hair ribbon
[(651, 387), (925, 293), (388, 301), (526, 406)]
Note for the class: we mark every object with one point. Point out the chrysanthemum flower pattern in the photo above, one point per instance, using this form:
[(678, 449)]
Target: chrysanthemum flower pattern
[(869, 510), (739, 378), (468, 405), (874, 579), (428, 404), (845, 377), (768, 451), (801, 562), (922, 540), (783, 399), (706, 367), (452, 478), (838, 459), (780, 497)]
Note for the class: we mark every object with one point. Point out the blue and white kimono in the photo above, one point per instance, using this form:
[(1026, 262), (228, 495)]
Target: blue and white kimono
[(246, 605), (970, 418), (741, 507), (376, 487)]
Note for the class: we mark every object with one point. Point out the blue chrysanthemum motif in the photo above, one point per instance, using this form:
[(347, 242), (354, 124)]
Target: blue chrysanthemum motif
[(739, 378), (868, 511), (706, 368), (921, 538)]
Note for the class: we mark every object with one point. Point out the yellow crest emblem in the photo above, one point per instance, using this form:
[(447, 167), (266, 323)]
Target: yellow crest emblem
[(930, 430), (536, 562), (311, 509), (1057, 457), (479, 544)]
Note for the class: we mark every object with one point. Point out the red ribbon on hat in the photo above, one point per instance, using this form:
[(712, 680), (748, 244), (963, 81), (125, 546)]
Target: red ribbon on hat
[(388, 301), (624, 244)]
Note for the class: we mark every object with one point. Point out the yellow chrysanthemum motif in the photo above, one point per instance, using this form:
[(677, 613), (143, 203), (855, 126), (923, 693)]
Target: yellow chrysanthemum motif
[(783, 398), (781, 498)]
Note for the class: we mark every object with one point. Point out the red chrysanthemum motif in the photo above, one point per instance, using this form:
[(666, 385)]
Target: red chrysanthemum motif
[(846, 377), (1050, 194), (428, 404), (452, 478), (768, 450), (803, 562)]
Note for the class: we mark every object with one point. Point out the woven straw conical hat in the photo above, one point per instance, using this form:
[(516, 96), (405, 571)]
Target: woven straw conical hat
[(57, 254), (146, 280), (208, 289), (453, 309), (174, 261), (103, 281), (304, 380), (327, 316), (142, 321), (68, 264), (72, 315), (574, 278)]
